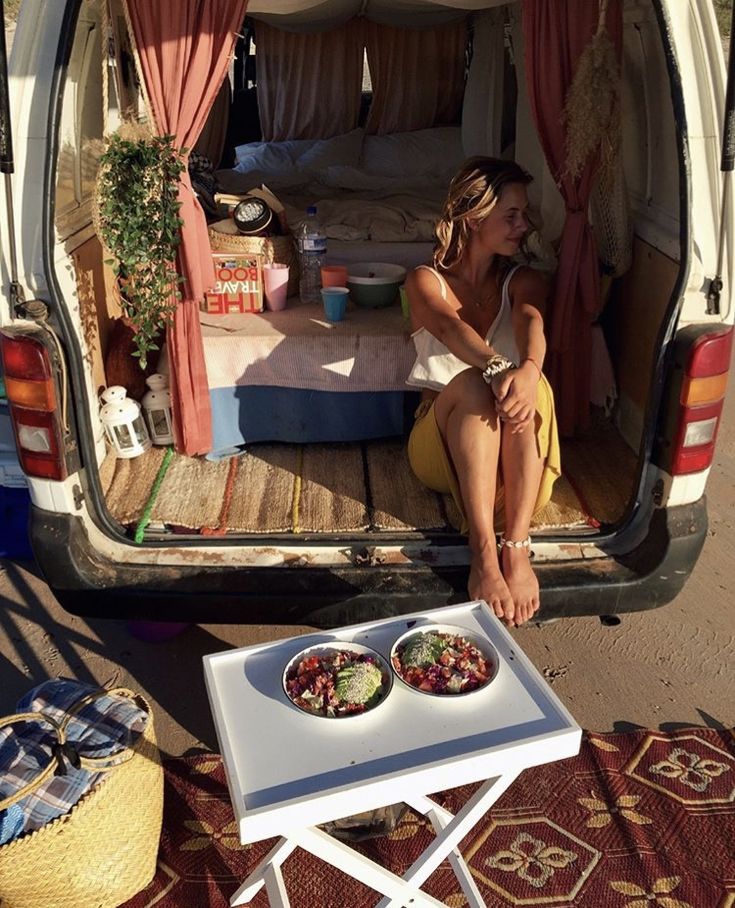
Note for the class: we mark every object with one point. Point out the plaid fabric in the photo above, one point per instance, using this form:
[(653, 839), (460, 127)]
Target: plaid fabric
[(102, 728)]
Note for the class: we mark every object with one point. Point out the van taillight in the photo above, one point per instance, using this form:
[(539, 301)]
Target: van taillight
[(700, 402), (34, 407)]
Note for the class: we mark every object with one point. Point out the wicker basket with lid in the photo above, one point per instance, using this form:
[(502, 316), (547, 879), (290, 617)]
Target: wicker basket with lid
[(225, 237)]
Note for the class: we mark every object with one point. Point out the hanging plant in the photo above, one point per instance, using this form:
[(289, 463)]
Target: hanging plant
[(592, 109), (137, 219)]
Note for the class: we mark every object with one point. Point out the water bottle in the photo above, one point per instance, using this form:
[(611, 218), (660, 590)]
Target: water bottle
[(312, 245)]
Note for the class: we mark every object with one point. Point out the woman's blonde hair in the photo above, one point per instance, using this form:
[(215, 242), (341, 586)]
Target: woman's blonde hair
[(473, 193)]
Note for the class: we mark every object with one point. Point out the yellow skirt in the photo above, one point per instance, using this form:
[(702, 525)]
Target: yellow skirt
[(433, 467)]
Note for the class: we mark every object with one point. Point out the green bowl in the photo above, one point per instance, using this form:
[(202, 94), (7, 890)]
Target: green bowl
[(375, 285)]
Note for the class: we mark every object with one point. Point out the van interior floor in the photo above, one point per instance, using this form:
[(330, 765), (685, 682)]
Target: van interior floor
[(340, 489)]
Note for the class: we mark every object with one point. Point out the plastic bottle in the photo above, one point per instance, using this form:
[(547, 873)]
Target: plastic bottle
[(312, 245)]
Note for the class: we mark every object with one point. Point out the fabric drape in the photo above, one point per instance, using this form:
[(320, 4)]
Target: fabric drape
[(482, 107), (309, 84), (417, 76), (555, 35), (184, 48)]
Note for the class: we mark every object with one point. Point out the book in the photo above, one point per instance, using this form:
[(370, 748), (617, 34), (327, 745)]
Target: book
[(239, 286)]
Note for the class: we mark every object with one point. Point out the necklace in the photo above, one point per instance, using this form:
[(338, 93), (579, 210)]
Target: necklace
[(482, 302)]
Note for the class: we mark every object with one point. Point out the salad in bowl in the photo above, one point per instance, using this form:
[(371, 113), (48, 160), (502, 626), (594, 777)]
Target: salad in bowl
[(337, 679), (444, 660)]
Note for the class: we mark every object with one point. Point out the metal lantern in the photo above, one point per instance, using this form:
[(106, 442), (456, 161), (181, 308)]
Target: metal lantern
[(157, 410), (123, 423)]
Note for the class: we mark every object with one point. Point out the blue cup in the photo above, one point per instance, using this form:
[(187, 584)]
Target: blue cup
[(335, 302)]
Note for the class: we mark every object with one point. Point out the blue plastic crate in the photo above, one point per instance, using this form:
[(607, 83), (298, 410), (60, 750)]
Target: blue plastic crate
[(14, 507)]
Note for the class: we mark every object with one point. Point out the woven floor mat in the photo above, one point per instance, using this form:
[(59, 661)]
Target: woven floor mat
[(191, 493), (602, 469), (564, 510), (131, 484), (399, 500), (332, 495), (263, 490)]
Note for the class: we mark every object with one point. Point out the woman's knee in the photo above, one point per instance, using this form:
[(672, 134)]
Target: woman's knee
[(469, 392)]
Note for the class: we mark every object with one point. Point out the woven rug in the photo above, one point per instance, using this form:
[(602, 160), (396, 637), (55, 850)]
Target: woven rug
[(300, 489), (637, 820)]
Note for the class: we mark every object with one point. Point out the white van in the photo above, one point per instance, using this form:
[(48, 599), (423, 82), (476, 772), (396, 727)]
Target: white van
[(316, 518)]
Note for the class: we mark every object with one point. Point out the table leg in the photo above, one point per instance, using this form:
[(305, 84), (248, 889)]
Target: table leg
[(440, 818), (361, 868), (262, 875), (454, 829)]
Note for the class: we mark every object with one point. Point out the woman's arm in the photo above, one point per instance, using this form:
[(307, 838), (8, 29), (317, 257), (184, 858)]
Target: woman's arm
[(516, 389), (440, 317)]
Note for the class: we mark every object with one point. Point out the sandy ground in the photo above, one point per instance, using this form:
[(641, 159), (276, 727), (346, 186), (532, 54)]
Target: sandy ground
[(658, 669)]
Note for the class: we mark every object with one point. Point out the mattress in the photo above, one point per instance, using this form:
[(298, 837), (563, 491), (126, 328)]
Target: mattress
[(292, 376)]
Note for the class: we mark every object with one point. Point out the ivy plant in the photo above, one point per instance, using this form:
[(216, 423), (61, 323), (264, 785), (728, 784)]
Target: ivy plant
[(139, 224)]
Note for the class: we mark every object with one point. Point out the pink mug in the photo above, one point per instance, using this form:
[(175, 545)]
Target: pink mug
[(334, 275)]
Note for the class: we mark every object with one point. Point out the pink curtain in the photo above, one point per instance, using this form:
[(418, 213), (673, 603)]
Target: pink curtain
[(309, 83), (184, 48), (555, 34), (417, 76)]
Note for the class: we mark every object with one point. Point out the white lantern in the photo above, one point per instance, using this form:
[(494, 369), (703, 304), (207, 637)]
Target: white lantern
[(123, 423), (157, 410)]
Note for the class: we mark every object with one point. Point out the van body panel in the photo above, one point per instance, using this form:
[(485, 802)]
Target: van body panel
[(648, 576)]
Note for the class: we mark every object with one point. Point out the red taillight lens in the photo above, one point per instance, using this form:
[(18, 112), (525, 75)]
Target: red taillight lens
[(31, 393), (701, 400), (25, 358)]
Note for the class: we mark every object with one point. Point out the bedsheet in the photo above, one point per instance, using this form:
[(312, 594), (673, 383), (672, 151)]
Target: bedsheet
[(292, 376)]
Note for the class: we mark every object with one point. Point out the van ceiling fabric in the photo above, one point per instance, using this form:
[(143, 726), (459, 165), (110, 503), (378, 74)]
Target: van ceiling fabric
[(309, 85), (417, 76), (184, 48), (316, 15), (550, 68)]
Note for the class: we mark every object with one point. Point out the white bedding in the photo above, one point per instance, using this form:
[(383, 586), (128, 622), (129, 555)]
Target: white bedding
[(376, 189), (374, 216)]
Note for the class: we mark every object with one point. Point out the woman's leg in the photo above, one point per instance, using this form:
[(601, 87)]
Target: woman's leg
[(466, 416), (522, 469)]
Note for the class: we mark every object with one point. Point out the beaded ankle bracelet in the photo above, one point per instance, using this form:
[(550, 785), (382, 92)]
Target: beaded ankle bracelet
[(512, 544)]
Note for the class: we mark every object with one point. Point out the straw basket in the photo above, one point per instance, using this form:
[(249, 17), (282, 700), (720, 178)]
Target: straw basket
[(225, 237), (103, 851)]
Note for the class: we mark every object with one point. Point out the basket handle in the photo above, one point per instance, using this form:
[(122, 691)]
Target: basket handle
[(59, 749)]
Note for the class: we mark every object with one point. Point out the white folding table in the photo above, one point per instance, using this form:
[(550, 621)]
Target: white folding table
[(289, 771)]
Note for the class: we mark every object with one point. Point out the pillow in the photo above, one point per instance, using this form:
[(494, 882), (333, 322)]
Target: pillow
[(274, 152), (422, 153), (343, 150)]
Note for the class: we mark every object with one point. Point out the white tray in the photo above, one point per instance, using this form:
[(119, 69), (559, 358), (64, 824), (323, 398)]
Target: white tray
[(287, 770)]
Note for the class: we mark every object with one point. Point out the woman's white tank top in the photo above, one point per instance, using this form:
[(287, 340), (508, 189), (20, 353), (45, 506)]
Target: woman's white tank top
[(435, 366)]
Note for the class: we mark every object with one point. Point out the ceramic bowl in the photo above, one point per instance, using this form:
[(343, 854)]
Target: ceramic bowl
[(374, 285)]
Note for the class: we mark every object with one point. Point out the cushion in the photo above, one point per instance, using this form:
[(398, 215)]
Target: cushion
[(435, 152), (343, 151), (296, 161)]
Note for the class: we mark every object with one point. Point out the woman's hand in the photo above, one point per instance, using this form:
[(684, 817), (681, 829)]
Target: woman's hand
[(515, 396)]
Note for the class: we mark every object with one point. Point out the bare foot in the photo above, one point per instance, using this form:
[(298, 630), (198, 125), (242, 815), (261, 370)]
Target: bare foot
[(486, 582), (522, 582)]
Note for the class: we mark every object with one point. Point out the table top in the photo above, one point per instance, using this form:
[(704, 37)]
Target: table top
[(287, 768)]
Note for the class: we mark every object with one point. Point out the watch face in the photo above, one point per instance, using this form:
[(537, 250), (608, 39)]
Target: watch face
[(251, 215)]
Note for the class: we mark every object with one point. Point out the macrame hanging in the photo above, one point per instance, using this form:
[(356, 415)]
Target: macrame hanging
[(592, 110), (592, 115)]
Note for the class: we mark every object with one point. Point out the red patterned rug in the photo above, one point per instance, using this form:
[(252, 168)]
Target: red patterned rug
[(637, 820)]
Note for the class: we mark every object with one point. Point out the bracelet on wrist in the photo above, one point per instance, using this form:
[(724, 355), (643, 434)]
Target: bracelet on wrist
[(496, 365)]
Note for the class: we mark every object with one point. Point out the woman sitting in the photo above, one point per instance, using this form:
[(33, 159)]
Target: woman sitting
[(486, 428)]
